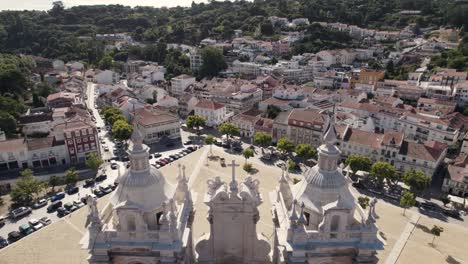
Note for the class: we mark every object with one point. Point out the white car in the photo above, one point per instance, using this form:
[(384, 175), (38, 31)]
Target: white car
[(106, 148), (45, 221), (35, 224)]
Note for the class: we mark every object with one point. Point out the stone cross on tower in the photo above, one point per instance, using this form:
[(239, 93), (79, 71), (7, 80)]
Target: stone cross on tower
[(233, 184)]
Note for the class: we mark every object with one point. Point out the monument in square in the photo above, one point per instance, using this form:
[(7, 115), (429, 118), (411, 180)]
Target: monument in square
[(318, 219), (148, 220)]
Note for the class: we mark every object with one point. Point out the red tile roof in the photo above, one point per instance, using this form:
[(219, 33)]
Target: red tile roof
[(209, 104)]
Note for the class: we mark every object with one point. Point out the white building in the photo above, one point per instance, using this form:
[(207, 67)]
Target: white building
[(106, 77), (180, 83), (155, 125), (247, 68), (214, 113)]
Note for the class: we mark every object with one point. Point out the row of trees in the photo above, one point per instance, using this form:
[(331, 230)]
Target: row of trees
[(121, 129), (28, 188), (382, 173)]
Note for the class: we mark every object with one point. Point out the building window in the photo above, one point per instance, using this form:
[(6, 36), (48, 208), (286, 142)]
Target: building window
[(78, 140), (70, 142), (85, 139)]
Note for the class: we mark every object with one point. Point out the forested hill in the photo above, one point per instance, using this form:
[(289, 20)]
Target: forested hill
[(55, 33)]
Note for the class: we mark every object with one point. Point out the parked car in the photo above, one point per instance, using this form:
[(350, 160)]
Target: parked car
[(45, 221), (78, 204), (101, 178), (61, 212), (20, 212), (452, 213), (157, 155), (114, 165), (3, 242), (39, 204), (98, 192), (25, 229), (188, 142), (106, 189), (14, 236), (72, 190), (106, 149), (35, 224), (2, 220), (150, 156), (430, 206), (70, 207), (58, 196), (54, 206), (89, 183)]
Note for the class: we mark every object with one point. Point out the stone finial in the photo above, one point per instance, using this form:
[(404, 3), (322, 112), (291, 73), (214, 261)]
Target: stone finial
[(293, 218), (163, 217), (213, 185), (302, 220), (172, 211), (283, 178)]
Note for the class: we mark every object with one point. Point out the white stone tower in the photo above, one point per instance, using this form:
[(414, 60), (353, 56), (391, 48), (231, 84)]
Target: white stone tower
[(318, 220), (147, 219), (233, 216)]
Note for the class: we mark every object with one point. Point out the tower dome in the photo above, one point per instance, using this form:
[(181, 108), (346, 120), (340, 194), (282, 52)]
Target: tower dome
[(324, 182), (143, 185)]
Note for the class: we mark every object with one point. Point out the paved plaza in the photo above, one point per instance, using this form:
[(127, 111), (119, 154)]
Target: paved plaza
[(407, 240)]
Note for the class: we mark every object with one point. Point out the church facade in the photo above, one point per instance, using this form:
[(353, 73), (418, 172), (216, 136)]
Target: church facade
[(149, 220)]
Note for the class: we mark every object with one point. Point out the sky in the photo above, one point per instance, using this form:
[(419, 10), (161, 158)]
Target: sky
[(47, 4)]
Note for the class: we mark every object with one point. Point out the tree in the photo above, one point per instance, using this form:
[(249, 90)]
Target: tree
[(436, 231), (273, 111), (262, 139), (122, 130), (306, 151), (54, 181), (267, 29), (291, 165), (209, 140), (363, 201), (247, 153), (407, 200), (247, 167), (213, 62), (229, 130), (445, 199), (94, 162), (358, 163), (106, 63), (195, 122), (71, 176), (7, 123), (285, 145), (25, 188), (382, 171), (416, 180)]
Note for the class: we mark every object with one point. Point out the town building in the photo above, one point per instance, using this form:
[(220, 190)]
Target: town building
[(62, 99), (106, 77), (214, 113), (80, 137), (391, 147), (180, 83), (155, 125)]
